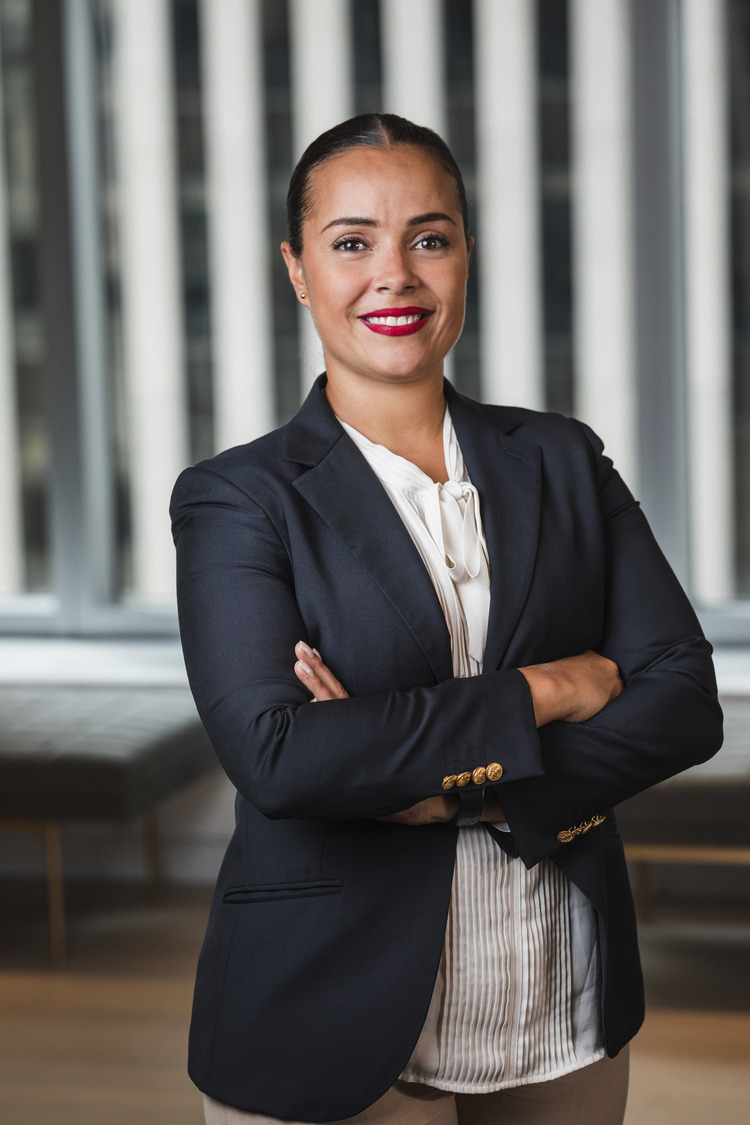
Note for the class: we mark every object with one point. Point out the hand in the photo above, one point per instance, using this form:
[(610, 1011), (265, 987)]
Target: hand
[(320, 680), (313, 673), (574, 688), (433, 810)]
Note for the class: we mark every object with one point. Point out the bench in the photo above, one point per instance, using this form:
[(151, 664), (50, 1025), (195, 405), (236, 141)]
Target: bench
[(94, 753), (701, 816), (91, 753)]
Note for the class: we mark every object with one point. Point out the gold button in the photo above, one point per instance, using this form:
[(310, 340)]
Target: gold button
[(479, 775), (494, 771), (565, 836), (449, 781), (463, 779)]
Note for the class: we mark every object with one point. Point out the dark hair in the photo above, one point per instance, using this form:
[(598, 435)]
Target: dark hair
[(376, 130)]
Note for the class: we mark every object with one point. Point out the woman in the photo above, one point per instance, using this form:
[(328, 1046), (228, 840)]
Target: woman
[(423, 914)]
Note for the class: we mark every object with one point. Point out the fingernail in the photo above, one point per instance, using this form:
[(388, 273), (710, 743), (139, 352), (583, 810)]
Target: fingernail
[(305, 648), (305, 668), (317, 654)]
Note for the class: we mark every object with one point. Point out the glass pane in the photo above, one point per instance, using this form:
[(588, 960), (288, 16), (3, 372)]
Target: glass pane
[(25, 452), (181, 406), (554, 124), (739, 53)]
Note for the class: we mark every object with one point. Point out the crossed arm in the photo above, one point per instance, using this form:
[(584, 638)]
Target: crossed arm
[(384, 752), (572, 689)]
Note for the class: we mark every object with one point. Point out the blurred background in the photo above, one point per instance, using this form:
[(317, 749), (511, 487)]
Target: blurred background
[(146, 321)]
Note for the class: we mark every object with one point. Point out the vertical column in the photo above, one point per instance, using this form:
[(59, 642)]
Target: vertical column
[(658, 270), (707, 312), (152, 317), (96, 490), (11, 542), (413, 61), (414, 80), (605, 392), (67, 522), (508, 250), (322, 95), (238, 222)]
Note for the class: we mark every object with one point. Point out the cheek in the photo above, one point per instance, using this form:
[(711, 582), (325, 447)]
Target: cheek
[(455, 295), (334, 297)]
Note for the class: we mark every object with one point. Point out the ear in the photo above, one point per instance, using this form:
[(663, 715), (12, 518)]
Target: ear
[(295, 271)]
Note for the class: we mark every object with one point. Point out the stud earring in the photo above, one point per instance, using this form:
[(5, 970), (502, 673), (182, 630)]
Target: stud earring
[(302, 296)]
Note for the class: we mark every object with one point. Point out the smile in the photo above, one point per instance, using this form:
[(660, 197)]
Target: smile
[(396, 322)]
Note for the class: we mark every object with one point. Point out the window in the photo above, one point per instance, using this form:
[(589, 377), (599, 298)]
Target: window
[(145, 315)]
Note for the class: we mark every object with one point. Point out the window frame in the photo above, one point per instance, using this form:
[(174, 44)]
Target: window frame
[(81, 498)]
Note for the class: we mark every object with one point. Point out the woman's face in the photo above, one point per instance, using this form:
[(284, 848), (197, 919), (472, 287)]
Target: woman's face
[(384, 264)]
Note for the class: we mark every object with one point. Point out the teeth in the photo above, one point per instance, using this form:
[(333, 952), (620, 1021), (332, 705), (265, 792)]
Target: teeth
[(393, 321)]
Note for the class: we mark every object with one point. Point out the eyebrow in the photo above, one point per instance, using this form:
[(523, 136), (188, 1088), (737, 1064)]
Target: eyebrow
[(360, 221)]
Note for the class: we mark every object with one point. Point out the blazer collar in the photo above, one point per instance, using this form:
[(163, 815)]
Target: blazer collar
[(346, 494)]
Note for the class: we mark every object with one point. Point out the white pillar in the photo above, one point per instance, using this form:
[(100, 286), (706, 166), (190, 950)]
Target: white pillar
[(508, 243), (707, 311), (322, 96), (150, 265), (413, 61), (414, 79), (604, 326), (241, 309), (11, 535)]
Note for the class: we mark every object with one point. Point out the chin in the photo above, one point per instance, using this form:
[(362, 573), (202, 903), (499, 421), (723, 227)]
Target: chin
[(408, 377)]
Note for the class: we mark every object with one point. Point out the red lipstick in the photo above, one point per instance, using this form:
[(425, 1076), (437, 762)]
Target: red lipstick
[(403, 321)]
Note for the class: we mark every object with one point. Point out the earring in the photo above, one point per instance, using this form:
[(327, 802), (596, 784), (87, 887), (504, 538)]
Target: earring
[(302, 296)]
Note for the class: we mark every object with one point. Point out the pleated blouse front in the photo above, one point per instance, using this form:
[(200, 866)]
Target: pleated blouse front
[(516, 999)]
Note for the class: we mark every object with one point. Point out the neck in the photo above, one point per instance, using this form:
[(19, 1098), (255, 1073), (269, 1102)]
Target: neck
[(405, 418), (386, 412)]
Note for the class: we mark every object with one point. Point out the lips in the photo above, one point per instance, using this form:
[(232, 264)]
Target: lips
[(396, 321)]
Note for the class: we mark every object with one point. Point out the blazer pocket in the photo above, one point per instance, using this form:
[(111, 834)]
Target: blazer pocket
[(274, 892)]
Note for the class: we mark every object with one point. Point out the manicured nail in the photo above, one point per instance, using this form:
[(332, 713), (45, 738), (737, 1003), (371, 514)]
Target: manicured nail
[(305, 648), (305, 668), (317, 654)]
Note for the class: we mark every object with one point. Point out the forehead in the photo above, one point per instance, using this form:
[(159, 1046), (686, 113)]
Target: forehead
[(373, 182)]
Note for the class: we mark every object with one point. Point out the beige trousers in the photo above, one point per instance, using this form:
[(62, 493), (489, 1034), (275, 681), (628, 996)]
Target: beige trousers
[(594, 1095)]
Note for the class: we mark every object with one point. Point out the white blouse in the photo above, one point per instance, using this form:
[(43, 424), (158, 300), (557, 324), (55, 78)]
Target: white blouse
[(516, 999)]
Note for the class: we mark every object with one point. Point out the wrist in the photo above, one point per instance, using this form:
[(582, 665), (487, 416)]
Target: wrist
[(552, 692)]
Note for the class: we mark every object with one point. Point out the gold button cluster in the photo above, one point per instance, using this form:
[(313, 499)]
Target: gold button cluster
[(492, 772), (581, 829)]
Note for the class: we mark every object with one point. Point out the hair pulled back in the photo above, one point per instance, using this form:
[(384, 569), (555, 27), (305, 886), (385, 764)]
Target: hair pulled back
[(375, 130)]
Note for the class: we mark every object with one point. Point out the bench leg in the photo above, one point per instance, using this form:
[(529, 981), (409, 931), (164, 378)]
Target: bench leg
[(153, 855), (55, 897)]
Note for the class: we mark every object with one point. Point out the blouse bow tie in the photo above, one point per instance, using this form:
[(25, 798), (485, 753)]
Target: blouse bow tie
[(451, 513)]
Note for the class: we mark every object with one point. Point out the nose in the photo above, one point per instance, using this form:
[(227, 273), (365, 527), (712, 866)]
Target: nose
[(395, 271)]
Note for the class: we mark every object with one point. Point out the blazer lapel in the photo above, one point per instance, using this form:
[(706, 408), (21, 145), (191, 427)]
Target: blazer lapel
[(342, 488), (344, 491), (506, 470)]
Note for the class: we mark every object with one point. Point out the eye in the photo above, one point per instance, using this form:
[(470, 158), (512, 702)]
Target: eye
[(432, 242), (349, 244)]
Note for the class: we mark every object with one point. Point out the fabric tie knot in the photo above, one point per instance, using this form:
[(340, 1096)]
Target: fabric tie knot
[(453, 519), (451, 513)]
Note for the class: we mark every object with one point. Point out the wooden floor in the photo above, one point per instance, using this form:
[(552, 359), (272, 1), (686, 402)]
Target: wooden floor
[(103, 1043)]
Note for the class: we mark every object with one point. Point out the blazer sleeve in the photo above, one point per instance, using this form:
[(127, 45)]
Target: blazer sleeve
[(666, 719), (362, 757)]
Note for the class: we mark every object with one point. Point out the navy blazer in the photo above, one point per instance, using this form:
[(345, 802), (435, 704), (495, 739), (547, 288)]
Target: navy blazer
[(327, 925)]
